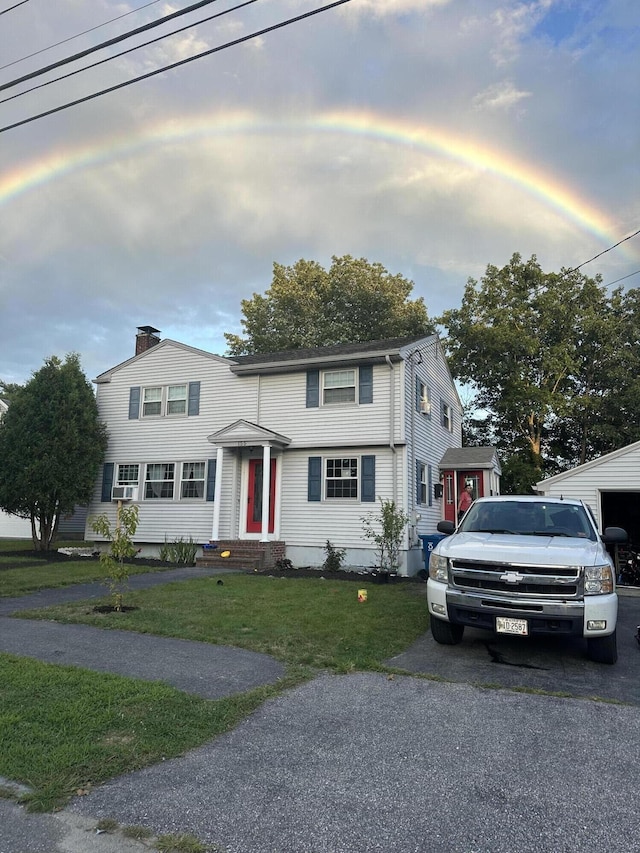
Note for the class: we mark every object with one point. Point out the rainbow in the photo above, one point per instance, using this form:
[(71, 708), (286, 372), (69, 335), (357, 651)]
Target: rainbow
[(533, 181)]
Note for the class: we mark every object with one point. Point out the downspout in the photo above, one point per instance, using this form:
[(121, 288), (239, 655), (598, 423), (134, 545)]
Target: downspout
[(392, 423)]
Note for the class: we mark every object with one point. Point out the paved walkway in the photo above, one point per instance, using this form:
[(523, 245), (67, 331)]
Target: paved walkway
[(207, 670)]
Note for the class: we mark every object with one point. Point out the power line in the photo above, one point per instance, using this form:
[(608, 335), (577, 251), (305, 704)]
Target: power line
[(15, 6), (174, 65), (115, 40), (125, 52), (611, 283), (77, 35), (604, 252)]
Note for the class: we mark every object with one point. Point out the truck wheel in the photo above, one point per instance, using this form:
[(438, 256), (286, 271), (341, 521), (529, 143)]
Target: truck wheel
[(603, 649), (445, 633)]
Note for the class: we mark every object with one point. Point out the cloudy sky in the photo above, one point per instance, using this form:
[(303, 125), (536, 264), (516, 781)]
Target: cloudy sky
[(432, 136)]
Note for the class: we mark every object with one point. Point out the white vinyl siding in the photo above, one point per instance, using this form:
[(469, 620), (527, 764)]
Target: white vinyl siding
[(616, 472), (282, 407)]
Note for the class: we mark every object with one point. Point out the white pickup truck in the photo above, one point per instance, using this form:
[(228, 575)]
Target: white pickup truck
[(527, 566)]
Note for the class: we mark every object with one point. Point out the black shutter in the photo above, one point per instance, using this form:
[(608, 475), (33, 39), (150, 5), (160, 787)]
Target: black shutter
[(313, 389), (365, 384), (194, 398), (134, 403), (368, 479), (314, 483), (107, 481), (211, 479)]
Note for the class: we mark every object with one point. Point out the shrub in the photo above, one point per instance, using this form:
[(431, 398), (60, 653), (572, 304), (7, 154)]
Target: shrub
[(386, 530), (334, 559), (180, 551)]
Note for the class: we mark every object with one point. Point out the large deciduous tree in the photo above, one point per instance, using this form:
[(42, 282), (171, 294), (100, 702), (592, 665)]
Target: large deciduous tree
[(308, 306), (546, 354), (51, 446)]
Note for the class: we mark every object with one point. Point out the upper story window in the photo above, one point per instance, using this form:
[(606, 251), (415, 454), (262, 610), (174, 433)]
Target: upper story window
[(168, 400), (155, 401), (348, 385), (151, 402), (338, 386), (177, 400), (423, 398), (447, 417)]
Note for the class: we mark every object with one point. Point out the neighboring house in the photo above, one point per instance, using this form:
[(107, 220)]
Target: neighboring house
[(12, 527), (290, 448), (610, 485)]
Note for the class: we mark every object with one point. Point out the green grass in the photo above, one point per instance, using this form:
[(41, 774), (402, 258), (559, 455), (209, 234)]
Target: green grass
[(22, 575), (64, 729), (302, 621)]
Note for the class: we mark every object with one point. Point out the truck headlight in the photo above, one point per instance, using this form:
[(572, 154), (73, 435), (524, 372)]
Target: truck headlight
[(438, 568), (598, 580)]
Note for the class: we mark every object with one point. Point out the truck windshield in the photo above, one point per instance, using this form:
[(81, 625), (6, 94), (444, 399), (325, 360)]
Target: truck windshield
[(528, 518)]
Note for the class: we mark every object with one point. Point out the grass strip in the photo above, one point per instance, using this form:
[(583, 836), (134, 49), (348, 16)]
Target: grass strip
[(301, 621), (65, 729), (25, 575)]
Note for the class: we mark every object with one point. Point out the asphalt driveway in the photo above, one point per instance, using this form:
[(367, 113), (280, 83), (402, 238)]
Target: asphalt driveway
[(553, 664)]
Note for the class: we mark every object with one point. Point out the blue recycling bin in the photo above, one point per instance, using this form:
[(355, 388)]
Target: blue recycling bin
[(428, 544)]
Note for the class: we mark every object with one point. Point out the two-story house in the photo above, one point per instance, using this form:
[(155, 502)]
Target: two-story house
[(288, 449)]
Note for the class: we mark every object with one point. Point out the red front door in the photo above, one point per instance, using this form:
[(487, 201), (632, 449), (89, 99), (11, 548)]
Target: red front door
[(254, 502)]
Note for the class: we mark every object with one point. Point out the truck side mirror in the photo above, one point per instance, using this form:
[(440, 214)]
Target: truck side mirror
[(614, 536)]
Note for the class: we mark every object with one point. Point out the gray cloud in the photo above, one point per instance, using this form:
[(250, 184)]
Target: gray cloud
[(384, 131)]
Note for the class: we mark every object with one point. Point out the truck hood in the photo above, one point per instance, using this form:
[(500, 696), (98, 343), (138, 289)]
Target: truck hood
[(524, 550)]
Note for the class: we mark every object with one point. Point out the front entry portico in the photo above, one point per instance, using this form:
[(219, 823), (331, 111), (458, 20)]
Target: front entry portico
[(254, 480)]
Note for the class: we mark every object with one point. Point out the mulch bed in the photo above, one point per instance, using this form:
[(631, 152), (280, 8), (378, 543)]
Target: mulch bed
[(371, 576), (360, 577)]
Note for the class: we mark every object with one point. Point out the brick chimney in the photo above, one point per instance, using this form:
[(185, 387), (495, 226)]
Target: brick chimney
[(146, 338)]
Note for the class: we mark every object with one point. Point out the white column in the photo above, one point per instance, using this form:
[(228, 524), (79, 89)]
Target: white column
[(215, 531), (266, 489)]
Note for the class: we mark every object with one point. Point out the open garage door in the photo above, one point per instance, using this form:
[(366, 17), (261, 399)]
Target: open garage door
[(622, 509)]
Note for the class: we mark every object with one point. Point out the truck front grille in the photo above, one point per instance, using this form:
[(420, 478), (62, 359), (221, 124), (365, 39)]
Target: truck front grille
[(513, 580)]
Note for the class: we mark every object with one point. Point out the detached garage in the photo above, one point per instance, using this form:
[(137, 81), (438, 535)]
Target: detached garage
[(610, 485)]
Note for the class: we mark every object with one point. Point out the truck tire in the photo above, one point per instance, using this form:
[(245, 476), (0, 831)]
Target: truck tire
[(603, 649), (445, 633)]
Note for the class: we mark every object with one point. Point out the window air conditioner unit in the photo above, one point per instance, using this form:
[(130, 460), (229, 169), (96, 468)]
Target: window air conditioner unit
[(124, 493), (425, 407)]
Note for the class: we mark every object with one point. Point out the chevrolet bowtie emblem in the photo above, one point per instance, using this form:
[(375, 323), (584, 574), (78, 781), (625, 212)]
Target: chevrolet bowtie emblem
[(512, 577)]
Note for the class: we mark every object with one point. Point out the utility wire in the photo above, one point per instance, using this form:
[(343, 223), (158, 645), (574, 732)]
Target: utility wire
[(604, 252), (175, 65), (104, 44), (15, 6), (611, 283), (77, 35), (125, 52)]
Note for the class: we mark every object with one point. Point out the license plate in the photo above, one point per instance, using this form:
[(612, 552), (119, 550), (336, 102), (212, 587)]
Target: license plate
[(511, 626)]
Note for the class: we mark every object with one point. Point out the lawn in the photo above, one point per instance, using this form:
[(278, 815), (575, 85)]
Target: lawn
[(301, 621), (25, 574), (63, 729)]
